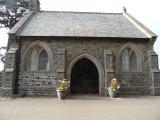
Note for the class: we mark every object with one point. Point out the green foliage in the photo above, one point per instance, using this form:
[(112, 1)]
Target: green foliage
[(11, 12), (114, 85), (63, 85)]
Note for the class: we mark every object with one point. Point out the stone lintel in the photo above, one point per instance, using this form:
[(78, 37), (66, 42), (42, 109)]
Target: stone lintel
[(9, 70), (61, 70), (107, 51), (60, 51), (154, 70), (110, 70), (12, 50)]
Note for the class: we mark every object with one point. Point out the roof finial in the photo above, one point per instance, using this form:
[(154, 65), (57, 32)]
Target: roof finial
[(34, 5), (124, 10)]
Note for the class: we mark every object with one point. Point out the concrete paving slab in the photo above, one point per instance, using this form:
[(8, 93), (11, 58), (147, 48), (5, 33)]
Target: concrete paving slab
[(81, 108)]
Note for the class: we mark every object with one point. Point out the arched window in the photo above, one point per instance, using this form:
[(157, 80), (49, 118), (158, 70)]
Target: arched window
[(43, 60), (133, 61), (28, 62), (128, 60), (31, 60), (37, 59)]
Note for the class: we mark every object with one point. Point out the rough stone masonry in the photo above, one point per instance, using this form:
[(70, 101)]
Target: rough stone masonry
[(45, 47)]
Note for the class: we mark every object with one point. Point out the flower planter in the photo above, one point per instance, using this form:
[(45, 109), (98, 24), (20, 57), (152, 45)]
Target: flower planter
[(63, 88), (114, 87), (61, 94), (67, 93), (112, 94)]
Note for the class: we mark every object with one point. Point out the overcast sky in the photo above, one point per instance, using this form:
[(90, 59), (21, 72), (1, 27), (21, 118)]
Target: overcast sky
[(146, 11)]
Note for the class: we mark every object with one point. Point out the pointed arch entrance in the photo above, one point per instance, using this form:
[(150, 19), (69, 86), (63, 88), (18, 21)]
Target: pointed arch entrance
[(101, 78), (84, 77)]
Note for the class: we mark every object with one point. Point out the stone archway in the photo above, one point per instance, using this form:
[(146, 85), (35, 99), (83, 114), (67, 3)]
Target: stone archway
[(98, 65)]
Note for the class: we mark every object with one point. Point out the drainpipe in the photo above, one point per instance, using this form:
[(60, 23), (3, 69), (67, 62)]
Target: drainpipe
[(18, 61)]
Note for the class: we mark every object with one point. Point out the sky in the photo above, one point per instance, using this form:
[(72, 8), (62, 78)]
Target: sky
[(146, 11)]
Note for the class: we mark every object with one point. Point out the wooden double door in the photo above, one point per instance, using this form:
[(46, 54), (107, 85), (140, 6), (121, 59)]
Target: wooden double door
[(84, 78)]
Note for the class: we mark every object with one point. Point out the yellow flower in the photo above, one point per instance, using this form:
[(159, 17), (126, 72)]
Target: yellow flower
[(63, 85), (114, 84)]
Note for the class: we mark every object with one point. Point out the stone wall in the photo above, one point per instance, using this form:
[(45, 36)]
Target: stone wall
[(9, 79), (155, 83), (37, 83), (135, 83), (132, 83), (0, 78), (0, 81)]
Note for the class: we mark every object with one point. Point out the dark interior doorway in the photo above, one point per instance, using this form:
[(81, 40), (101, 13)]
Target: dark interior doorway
[(84, 78)]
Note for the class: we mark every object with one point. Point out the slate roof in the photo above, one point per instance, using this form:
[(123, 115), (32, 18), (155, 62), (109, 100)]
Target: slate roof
[(80, 24)]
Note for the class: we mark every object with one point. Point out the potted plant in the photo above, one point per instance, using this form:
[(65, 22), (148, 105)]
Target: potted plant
[(63, 89), (113, 88)]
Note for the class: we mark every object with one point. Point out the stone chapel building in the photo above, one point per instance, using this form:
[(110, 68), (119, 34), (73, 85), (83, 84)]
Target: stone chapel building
[(84, 47)]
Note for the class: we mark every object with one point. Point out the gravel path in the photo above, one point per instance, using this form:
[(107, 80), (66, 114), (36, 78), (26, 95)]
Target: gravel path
[(81, 108)]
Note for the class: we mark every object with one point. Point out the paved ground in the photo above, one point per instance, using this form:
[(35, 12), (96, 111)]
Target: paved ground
[(81, 108)]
